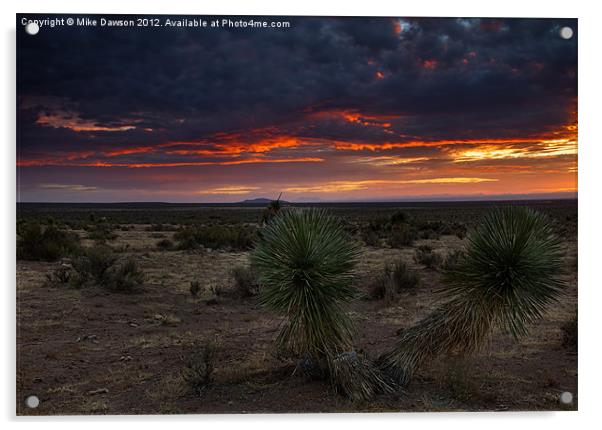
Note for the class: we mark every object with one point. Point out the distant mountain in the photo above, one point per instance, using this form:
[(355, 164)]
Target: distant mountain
[(260, 200)]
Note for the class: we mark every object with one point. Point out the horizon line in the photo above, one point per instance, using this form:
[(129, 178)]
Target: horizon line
[(251, 201)]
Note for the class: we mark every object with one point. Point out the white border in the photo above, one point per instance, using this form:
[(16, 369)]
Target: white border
[(590, 141)]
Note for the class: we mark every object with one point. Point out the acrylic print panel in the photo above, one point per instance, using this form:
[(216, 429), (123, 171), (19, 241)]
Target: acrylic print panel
[(219, 214)]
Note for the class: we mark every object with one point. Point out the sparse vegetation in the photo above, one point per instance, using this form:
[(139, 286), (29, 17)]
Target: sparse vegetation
[(236, 237), (152, 335)]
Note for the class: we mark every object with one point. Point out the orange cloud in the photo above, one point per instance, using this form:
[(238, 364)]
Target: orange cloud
[(228, 190), (341, 186), (72, 121), (57, 162)]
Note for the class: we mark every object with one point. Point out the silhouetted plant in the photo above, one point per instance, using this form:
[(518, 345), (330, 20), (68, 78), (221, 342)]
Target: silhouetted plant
[(271, 210), (512, 270)]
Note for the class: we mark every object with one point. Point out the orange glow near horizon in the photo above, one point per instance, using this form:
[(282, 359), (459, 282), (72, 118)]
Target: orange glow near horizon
[(400, 166)]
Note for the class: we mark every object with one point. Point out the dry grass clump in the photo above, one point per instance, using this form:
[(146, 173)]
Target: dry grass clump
[(395, 278), (425, 255), (246, 281)]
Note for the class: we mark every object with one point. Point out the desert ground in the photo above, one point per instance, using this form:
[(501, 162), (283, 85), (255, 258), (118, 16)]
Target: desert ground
[(92, 351)]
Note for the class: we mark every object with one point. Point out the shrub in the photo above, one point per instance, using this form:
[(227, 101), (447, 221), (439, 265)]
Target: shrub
[(165, 244), (195, 288), (370, 237), (424, 255), (45, 243), (402, 235), (305, 263), (399, 217), (59, 276), (569, 334), (246, 281), (101, 232), (236, 237), (511, 272), (198, 373), (124, 277), (100, 265), (93, 264)]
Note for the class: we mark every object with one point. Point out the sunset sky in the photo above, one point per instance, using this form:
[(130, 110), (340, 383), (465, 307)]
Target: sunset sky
[(330, 109)]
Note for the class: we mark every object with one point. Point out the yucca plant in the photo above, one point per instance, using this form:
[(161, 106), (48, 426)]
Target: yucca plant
[(272, 209), (305, 263), (306, 266), (510, 272)]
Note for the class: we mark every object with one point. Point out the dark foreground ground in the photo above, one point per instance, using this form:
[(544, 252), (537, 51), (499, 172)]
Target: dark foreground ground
[(89, 351)]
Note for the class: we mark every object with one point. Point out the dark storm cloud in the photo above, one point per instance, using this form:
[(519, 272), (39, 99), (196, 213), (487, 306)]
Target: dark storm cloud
[(232, 79)]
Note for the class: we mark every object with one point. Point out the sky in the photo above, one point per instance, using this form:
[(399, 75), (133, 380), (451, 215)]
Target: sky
[(329, 109)]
